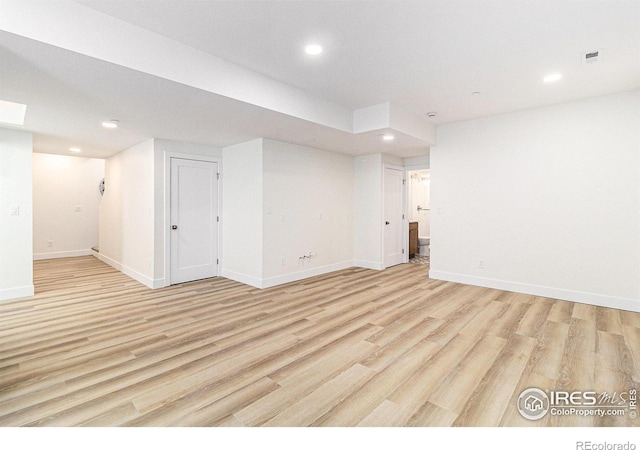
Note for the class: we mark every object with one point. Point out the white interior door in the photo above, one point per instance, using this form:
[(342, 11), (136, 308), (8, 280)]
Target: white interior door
[(393, 217), (194, 220)]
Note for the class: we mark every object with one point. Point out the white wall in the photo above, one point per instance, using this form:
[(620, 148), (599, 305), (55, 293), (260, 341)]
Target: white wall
[(127, 213), (242, 207), (280, 202), (548, 198), (16, 214), (262, 182), (368, 208), (308, 208), (133, 228), (417, 162), (62, 185), (166, 145), (368, 211)]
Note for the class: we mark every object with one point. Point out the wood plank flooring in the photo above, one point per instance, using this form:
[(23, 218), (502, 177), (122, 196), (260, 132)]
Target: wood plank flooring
[(353, 348)]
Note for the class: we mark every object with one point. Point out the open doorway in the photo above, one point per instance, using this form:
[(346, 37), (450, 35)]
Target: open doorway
[(419, 214), (66, 203)]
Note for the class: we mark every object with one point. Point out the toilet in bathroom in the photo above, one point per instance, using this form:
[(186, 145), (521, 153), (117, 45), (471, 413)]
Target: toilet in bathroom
[(423, 245)]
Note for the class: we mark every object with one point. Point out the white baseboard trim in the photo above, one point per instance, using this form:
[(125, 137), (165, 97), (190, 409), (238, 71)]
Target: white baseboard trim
[(17, 292), (65, 254), (158, 283), (128, 271), (375, 265), (242, 278), (303, 274), (262, 283), (627, 304)]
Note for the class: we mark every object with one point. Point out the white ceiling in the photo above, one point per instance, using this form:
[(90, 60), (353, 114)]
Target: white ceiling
[(421, 55)]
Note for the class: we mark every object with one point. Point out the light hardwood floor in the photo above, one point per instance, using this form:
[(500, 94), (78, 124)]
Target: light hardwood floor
[(352, 348)]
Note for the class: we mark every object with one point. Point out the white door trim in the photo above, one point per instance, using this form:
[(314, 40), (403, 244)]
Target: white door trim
[(406, 196), (167, 207)]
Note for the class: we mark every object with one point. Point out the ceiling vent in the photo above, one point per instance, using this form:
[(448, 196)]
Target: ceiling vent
[(592, 57)]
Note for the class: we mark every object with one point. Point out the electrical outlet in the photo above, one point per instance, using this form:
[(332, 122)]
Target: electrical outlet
[(49, 243), (481, 264), (282, 261)]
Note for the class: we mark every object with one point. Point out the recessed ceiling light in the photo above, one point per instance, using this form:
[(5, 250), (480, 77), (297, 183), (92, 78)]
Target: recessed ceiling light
[(552, 78), (388, 137), (75, 150), (313, 49), (12, 113), (111, 123)]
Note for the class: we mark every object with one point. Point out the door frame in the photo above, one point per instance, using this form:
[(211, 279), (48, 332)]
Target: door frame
[(407, 169), (405, 220), (168, 156)]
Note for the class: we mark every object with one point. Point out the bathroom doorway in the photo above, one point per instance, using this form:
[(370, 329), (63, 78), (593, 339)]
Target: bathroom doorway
[(419, 213)]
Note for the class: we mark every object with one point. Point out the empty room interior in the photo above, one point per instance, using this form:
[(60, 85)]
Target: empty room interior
[(319, 214)]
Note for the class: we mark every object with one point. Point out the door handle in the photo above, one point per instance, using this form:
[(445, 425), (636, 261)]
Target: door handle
[(387, 222), (174, 227)]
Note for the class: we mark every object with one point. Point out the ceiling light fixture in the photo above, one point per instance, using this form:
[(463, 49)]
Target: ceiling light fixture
[(113, 123), (313, 49), (75, 150), (387, 137), (552, 78), (432, 114), (12, 113)]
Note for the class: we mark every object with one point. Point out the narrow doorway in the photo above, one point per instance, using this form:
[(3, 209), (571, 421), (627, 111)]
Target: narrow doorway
[(419, 214)]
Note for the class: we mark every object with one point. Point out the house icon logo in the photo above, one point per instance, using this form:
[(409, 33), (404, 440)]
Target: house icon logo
[(533, 404)]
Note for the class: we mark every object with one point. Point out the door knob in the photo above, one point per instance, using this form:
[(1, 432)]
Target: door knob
[(174, 227), (387, 222)]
